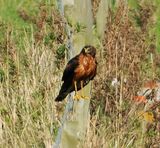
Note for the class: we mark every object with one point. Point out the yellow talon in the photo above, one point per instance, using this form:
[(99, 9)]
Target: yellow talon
[(77, 97), (85, 97)]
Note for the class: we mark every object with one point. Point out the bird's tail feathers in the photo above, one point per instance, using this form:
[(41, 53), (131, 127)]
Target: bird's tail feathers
[(65, 90), (61, 96)]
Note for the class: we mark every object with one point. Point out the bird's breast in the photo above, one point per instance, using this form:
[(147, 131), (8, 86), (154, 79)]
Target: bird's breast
[(86, 67)]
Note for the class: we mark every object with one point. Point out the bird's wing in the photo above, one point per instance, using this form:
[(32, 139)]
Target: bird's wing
[(95, 71), (69, 70)]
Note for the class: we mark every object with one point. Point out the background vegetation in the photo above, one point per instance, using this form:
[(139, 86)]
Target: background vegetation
[(32, 56)]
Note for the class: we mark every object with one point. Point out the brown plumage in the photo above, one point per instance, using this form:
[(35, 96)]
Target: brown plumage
[(81, 68)]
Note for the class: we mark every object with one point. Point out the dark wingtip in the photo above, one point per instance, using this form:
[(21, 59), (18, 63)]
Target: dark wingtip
[(59, 98)]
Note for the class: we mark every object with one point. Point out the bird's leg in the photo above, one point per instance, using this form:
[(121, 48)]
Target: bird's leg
[(76, 94), (82, 91)]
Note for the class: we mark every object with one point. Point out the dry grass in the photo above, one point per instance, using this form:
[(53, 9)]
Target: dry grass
[(124, 60), (29, 76), (29, 85), (95, 5), (27, 106)]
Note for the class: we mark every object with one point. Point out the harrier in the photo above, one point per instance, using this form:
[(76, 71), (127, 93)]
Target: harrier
[(78, 72)]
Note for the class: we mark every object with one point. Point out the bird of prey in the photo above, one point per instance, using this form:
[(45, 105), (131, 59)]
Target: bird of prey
[(78, 72)]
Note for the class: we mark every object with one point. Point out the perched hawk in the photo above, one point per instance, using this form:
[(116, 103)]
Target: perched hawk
[(78, 72)]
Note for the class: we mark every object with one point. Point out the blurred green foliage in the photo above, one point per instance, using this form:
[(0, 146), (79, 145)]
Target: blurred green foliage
[(49, 38), (61, 51)]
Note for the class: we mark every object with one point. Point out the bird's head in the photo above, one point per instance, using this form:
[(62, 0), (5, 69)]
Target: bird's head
[(88, 49)]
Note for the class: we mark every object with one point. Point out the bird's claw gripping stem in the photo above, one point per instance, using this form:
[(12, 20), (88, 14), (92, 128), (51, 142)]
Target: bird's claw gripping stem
[(78, 97)]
